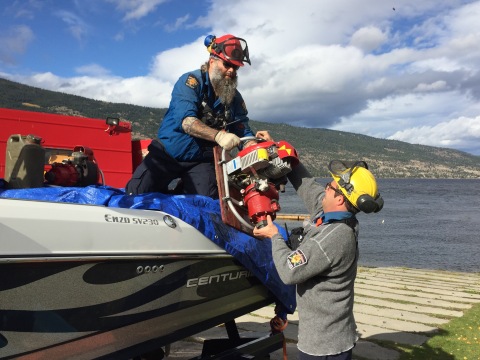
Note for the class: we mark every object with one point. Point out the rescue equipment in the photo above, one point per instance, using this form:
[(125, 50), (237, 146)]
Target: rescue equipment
[(249, 183), (79, 169)]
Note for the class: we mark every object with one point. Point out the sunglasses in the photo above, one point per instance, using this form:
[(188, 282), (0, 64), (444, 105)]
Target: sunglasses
[(329, 186), (228, 65)]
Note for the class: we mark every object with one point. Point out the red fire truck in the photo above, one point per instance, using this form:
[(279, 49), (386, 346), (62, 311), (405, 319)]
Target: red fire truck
[(62, 138)]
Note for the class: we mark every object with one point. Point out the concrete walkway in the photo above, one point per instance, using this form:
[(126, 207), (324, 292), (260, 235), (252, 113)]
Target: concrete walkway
[(401, 305)]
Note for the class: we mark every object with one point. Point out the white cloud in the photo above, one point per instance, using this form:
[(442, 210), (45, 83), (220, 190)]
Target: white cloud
[(352, 66), (135, 10), (181, 59), (24, 9), (384, 117), (179, 22), (92, 70), (14, 41), (106, 88), (461, 133), (368, 38), (75, 25), (435, 86)]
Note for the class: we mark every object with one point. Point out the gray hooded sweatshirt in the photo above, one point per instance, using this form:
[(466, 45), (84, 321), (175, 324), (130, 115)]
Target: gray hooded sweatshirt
[(324, 268)]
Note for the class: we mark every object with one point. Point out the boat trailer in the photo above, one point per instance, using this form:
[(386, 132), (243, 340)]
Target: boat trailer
[(232, 348), (237, 348)]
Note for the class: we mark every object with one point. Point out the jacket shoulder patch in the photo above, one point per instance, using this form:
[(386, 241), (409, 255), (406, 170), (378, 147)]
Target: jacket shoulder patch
[(191, 82), (296, 259)]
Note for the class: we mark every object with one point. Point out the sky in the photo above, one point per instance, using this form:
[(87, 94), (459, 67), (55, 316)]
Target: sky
[(406, 70)]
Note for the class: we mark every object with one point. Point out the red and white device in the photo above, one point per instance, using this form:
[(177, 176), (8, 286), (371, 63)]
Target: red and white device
[(252, 180)]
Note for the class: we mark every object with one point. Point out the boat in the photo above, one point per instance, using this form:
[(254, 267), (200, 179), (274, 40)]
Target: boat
[(88, 272), (84, 282)]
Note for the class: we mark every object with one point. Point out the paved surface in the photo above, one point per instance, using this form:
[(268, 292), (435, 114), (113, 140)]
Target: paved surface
[(394, 304)]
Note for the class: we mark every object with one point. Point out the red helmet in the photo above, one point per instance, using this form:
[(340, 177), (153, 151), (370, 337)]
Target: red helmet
[(229, 48)]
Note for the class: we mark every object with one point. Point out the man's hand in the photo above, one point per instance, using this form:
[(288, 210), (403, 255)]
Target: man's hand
[(266, 232), (263, 134), (227, 140)]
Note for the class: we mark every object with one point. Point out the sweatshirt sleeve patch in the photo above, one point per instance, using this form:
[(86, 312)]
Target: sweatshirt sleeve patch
[(191, 82), (296, 259)]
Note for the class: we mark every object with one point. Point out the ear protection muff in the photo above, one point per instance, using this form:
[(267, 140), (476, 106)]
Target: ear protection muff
[(368, 204)]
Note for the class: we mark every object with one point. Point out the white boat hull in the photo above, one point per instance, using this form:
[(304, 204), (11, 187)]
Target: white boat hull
[(85, 282)]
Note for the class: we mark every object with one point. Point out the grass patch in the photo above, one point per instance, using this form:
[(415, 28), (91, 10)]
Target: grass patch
[(473, 292), (457, 340)]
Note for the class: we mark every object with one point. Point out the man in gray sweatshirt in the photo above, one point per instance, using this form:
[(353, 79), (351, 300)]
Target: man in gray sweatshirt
[(322, 258)]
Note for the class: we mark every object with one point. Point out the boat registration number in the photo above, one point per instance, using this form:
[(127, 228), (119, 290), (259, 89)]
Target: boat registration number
[(130, 220)]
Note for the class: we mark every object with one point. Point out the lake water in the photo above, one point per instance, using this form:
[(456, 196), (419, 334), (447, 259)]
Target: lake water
[(427, 224)]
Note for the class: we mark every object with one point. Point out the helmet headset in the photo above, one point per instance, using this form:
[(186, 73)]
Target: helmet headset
[(228, 48), (357, 184)]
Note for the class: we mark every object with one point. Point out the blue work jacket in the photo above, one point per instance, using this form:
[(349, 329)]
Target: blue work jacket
[(187, 97)]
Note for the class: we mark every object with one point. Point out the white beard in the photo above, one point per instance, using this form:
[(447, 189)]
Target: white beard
[(225, 87)]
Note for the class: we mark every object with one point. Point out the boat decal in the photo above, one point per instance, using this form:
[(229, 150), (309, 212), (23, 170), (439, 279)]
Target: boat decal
[(215, 279), (160, 329), (154, 298)]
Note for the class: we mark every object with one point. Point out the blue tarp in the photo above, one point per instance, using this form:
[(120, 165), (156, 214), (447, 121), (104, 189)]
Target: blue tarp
[(199, 211)]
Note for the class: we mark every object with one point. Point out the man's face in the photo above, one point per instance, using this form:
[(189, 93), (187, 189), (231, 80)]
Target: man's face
[(224, 79), (333, 197), (225, 68)]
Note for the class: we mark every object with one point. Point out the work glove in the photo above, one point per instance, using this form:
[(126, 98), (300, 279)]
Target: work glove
[(227, 140)]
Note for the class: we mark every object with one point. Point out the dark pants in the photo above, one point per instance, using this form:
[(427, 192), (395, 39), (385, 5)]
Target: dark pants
[(347, 355), (158, 169)]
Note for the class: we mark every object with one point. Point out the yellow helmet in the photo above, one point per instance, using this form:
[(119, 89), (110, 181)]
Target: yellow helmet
[(357, 184)]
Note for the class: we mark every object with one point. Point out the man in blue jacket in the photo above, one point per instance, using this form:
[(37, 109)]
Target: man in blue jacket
[(206, 109)]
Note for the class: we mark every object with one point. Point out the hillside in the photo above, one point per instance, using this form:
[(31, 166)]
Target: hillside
[(387, 158), (17, 96)]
